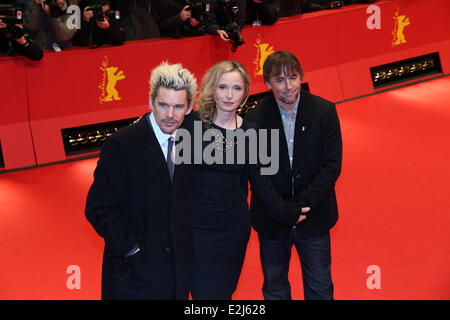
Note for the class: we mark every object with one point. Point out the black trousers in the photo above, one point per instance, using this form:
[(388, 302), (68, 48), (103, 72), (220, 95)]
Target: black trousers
[(315, 260)]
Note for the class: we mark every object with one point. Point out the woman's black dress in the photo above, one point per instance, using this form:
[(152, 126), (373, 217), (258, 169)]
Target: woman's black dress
[(221, 221)]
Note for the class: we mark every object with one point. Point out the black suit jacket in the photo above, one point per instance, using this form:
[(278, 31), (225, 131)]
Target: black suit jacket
[(315, 169), (132, 201)]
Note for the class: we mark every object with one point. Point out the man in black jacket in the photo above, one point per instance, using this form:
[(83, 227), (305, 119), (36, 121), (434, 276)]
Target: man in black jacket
[(99, 29), (9, 44), (16, 41), (48, 24), (226, 15), (264, 12), (138, 200), (177, 19), (140, 17), (310, 155)]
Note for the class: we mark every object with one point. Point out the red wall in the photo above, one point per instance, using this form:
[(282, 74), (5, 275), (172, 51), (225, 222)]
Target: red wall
[(335, 47)]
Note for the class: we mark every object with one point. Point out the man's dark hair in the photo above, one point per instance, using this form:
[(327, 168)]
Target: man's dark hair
[(281, 62)]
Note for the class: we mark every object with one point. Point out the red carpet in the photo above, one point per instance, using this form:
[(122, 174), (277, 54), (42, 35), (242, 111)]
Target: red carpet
[(393, 198)]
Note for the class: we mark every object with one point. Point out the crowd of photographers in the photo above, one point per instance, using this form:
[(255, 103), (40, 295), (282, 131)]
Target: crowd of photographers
[(29, 26)]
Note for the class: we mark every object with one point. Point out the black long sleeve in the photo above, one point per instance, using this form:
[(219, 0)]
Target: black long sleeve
[(217, 19), (169, 18), (30, 50), (114, 35), (105, 198), (330, 167), (284, 211)]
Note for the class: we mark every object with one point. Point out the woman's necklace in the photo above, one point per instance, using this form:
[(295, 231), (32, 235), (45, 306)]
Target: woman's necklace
[(222, 143)]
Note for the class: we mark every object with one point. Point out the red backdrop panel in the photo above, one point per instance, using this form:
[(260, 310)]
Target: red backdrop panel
[(82, 86), (15, 135)]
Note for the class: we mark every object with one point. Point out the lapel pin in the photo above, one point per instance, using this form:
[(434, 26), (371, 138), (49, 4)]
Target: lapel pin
[(303, 128)]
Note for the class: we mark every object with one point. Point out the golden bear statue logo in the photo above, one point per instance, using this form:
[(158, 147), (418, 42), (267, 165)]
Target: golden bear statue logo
[(401, 21), (263, 51), (108, 86)]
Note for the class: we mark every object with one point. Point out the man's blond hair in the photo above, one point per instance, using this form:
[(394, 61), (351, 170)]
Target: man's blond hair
[(173, 76)]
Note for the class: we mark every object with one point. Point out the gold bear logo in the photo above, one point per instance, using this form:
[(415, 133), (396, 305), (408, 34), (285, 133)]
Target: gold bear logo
[(263, 51), (108, 86), (401, 21)]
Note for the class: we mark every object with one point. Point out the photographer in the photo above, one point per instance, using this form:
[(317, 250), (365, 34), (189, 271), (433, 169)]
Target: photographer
[(47, 22), (99, 25), (264, 12), (227, 16), (139, 17), (12, 36), (227, 19), (185, 18)]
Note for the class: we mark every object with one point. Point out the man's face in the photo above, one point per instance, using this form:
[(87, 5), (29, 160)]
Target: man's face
[(170, 107), (286, 88)]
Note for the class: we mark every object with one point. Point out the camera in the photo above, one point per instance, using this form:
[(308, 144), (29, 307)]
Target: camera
[(198, 9), (11, 15), (235, 36), (99, 14), (55, 10), (226, 18)]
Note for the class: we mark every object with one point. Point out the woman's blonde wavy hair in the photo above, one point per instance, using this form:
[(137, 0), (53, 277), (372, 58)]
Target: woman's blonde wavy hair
[(206, 106)]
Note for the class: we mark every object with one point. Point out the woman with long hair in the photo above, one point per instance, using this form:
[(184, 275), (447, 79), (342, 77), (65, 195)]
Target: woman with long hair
[(219, 186)]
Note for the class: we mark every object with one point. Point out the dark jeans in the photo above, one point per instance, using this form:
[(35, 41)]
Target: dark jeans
[(315, 260)]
